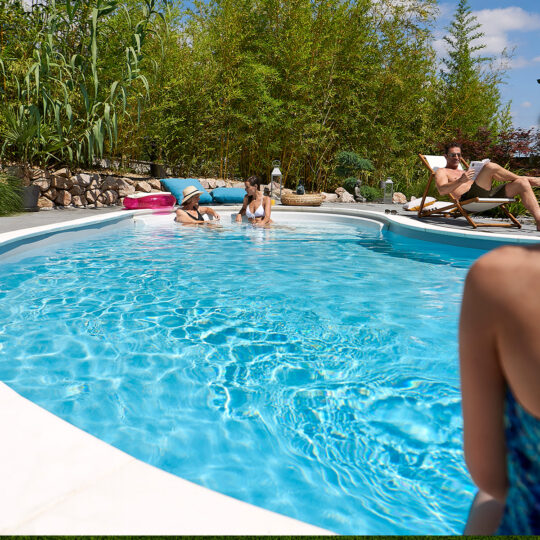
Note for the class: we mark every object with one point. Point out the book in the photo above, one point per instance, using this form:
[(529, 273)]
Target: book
[(477, 166)]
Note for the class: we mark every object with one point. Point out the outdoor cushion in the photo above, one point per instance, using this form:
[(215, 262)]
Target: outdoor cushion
[(414, 205), (177, 185), (228, 195)]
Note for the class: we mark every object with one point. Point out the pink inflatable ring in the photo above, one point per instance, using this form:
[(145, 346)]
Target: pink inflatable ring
[(138, 201)]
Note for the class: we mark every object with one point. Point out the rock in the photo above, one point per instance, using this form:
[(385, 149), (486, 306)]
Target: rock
[(157, 190), (155, 184), (340, 190), (83, 179), (205, 183), (37, 174), (64, 173), (44, 203), (125, 189), (240, 185), (108, 197), (51, 194), (287, 191), (330, 197), (92, 195), (79, 201), (220, 183), (15, 170), (112, 182), (43, 184), (77, 190), (61, 182), (63, 198), (99, 204), (399, 198), (143, 186), (345, 197)]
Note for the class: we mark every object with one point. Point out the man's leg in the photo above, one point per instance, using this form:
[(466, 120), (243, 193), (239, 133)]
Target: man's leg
[(516, 185), (491, 171), (522, 187)]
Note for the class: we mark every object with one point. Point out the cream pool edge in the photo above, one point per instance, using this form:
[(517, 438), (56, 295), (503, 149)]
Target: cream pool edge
[(58, 479)]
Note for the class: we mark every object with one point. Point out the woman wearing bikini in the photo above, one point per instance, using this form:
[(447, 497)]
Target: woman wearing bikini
[(190, 212), (257, 207)]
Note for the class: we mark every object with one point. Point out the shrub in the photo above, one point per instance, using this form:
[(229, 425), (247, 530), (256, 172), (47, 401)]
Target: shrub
[(349, 163), (10, 195), (370, 193), (349, 184)]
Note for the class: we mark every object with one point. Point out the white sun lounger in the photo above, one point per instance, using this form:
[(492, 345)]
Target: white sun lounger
[(465, 208)]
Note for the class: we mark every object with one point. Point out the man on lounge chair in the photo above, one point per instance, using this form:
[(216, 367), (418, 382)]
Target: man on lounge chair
[(460, 184)]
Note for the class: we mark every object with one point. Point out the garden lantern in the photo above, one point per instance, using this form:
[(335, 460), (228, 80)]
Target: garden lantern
[(388, 191), (276, 176)]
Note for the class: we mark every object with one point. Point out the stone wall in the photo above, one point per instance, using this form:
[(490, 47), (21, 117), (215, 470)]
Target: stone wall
[(62, 188)]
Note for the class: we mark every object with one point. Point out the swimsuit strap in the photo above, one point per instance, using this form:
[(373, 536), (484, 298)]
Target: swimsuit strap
[(199, 216)]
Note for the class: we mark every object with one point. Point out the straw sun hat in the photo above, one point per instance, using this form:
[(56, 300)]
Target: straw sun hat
[(190, 192)]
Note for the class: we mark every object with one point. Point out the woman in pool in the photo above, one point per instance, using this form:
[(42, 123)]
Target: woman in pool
[(500, 376), (190, 212), (257, 207)]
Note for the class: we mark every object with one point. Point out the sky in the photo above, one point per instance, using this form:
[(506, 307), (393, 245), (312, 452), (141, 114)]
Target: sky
[(514, 25)]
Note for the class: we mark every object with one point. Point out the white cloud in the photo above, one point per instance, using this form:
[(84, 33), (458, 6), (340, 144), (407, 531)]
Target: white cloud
[(517, 63), (526, 104), (497, 23)]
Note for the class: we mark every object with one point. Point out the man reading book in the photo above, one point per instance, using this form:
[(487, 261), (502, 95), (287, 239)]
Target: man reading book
[(463, 185)]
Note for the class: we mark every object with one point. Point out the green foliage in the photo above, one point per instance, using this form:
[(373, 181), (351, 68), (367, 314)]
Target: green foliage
[(10, 195), (349, 184), (469, 96), (349, 163), (223, 87), (370, 193), (66, 102)]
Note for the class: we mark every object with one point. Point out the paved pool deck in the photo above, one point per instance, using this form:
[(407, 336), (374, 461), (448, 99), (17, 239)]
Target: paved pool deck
[(49, 217)]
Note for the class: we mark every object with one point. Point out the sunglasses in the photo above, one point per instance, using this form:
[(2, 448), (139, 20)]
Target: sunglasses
[(454, 154)]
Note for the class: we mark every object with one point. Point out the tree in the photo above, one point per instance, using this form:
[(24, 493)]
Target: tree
[(470, 98)]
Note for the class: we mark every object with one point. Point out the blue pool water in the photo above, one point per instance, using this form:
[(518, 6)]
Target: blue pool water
[(311, 369)]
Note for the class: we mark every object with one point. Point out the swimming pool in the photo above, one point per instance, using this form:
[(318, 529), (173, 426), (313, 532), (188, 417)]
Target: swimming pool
[(310, 369)]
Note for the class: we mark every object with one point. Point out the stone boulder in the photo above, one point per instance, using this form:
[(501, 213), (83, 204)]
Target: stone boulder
[(399, 198), (108, 197), (143, 186), (155, 184), (125, 189), (330, 197), (92, 195), (61, 182), (64, 173), (240, 185), (220, 183), (345, 197), (63, 198), (44, 203), (51, 193), (205, 183), (83, 179), (43, 184), (37, 174), (112, 182), (79, 201)]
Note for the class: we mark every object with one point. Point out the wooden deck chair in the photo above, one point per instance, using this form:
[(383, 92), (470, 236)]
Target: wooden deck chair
[(456, 208)]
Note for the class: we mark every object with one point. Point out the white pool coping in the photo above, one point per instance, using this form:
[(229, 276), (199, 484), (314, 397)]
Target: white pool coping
[(57, 479)]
